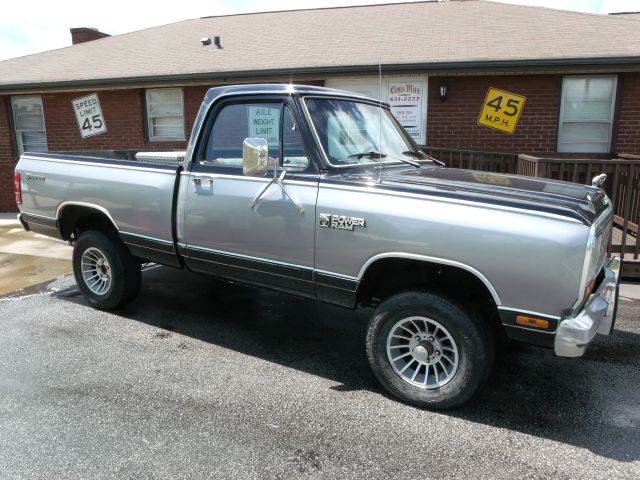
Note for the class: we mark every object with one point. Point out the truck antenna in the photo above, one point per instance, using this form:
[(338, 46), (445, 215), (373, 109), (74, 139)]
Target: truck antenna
[(380, 118)]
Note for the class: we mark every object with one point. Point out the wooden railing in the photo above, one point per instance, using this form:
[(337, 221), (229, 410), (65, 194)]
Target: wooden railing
[(622, 186), (475, 160)]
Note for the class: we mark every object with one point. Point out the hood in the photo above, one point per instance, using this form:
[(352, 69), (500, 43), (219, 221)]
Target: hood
[(581, 202)]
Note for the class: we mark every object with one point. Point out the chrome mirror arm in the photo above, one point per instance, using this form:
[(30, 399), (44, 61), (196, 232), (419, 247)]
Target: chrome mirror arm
[(262, 191), (280, 181)]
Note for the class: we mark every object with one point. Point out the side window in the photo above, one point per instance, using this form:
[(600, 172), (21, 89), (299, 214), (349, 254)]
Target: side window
[(165, 114), (294, 155), (28, 117), (586, 114), (233, 124)]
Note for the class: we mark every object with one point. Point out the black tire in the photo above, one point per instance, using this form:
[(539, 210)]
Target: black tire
[(124, 269), (473, 341)]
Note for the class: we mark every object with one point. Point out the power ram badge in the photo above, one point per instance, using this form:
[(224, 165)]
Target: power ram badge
[(341, 222)]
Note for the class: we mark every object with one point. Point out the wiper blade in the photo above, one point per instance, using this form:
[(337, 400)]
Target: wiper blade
[(415, 153), (406, 160), (440, 163), (378, 155), (420, 154), (372, 154)]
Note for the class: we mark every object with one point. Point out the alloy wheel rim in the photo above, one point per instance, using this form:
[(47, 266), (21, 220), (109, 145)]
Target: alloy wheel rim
[(96, 271), (422, 352)]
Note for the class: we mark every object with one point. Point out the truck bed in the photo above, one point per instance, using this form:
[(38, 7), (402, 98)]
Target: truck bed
[(138, 195)]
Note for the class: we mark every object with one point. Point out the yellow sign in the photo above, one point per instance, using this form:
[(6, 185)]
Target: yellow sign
[(501, 110)]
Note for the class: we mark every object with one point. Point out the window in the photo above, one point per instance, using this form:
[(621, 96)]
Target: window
[(234, 123), (348, 130), (586, 114), (165, 115), (28, 118), (294, 154), (407, 96)]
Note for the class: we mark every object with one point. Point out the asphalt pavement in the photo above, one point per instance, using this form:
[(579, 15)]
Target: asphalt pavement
[(202, 379)]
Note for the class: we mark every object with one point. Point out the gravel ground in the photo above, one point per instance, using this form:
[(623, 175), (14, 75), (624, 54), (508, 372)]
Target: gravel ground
[(200, 379)]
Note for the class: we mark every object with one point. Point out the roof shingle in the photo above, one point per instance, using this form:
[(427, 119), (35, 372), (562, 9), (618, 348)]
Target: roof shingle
[(334, 39)]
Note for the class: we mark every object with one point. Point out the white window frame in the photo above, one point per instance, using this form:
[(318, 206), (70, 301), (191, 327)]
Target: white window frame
[(18, 131), (612, 113), (150, 117)]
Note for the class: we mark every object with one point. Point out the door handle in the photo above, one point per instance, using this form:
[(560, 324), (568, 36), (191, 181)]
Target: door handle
[(202, 181)]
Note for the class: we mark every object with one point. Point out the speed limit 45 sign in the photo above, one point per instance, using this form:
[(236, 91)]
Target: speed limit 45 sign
[(501, 110), (89, 115)]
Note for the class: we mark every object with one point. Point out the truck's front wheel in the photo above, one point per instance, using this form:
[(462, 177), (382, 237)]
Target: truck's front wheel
[(105, 271), (428, 350)]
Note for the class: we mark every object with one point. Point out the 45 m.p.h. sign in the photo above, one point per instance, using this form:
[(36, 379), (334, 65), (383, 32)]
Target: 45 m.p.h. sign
[(501, 110)]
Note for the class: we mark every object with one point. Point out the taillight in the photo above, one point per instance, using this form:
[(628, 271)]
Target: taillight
[(17, 188)]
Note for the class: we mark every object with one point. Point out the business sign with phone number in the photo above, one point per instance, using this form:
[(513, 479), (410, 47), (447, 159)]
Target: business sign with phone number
[(89, 115), (406, 99), (501, 110)]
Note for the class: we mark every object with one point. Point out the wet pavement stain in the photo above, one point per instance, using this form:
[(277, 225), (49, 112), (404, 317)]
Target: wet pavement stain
[(28, 259), (14, 239), (18, 272)]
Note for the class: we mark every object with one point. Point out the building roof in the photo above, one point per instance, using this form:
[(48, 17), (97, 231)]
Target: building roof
[(426, 35), (628, 15)]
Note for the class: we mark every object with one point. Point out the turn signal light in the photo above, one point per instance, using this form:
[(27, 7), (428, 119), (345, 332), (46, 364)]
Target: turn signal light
[(532, 322), (17, 188), (589, 288)]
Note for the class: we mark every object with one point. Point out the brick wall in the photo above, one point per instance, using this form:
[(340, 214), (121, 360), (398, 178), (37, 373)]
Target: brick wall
[(123, 114), (452, 123), (628, 139), (7, 159)]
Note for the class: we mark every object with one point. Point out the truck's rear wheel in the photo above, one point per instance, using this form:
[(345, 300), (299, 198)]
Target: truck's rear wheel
[(429, 351), (105, 271)]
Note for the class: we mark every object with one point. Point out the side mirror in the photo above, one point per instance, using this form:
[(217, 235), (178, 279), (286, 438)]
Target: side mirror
[(255, 157)]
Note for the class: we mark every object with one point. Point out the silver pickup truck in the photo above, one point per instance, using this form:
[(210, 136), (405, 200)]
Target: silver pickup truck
[(321, 193)]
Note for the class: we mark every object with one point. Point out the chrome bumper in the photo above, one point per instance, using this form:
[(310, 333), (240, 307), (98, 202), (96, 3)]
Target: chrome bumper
[(597, 316)]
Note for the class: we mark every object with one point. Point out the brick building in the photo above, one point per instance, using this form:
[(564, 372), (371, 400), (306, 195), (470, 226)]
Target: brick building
[(579, 73)]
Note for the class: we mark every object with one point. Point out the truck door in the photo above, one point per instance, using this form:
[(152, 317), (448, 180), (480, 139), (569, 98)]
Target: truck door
[(272, 242)]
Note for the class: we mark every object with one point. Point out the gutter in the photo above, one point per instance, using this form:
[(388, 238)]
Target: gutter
[(556, 65)]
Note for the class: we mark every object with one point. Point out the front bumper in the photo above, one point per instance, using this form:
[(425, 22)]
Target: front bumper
[(598, 316)]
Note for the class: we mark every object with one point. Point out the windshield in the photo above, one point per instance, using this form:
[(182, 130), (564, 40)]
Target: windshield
[(349, 132)]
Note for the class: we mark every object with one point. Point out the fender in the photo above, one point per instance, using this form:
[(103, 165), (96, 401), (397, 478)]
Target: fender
[(103, 210), (442, 261)]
